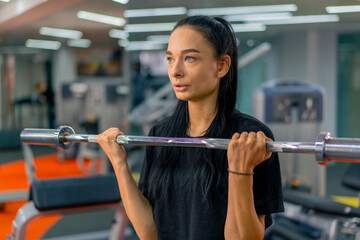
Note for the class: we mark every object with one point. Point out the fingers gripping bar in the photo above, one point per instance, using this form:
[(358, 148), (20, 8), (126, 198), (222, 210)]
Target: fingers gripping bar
[(325, 148)]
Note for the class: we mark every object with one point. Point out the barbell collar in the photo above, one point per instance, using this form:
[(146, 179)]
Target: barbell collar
[(320, 144)]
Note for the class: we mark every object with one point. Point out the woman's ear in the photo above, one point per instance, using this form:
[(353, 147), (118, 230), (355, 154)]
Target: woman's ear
[(224, 64)]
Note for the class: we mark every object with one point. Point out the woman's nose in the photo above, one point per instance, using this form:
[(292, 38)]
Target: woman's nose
[(176, 69)]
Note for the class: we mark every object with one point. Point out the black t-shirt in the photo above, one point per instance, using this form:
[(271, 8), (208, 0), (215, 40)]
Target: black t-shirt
[(185, 216)]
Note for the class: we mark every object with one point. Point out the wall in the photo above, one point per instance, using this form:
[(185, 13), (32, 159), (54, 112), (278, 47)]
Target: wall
[(309, 56)]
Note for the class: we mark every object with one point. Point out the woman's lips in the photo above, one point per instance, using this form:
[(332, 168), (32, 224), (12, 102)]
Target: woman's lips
[(180, 87)]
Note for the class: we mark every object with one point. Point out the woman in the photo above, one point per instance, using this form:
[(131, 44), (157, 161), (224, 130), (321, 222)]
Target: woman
[(188, 193)]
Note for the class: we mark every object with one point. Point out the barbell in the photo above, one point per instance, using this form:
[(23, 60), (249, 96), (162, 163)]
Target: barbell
[(325, 148)]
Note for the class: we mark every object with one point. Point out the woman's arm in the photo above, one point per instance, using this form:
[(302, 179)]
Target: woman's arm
[(136, 205), (245, 151)]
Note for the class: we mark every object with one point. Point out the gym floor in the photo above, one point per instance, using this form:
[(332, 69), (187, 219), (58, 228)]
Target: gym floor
[(98, 222), (75, 225)]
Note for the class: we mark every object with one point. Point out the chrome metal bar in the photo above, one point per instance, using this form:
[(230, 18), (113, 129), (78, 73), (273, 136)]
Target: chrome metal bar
[(52, 137), (342, 148), (81, 138), (325, 148), (296, 147), (174, 142)]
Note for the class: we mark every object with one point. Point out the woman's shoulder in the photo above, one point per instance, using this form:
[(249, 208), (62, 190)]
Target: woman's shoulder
[(244, 122)]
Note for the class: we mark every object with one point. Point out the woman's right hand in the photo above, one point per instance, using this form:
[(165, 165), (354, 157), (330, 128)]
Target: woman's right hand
[(113, 150)]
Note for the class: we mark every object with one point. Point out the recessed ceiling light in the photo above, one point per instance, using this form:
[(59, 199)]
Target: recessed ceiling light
[(116, 33), (243, 10), (80, 43), (158, 38), (258, 16), (149, 27), (97, 17), (144, 46), (123, 42), (59, 32), (121, 1), (303, 20), (250, 27), (154, 12), (343, 9), (43, 44)]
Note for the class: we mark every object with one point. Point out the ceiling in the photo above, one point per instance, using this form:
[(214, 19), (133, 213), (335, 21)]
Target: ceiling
[(22, 19)]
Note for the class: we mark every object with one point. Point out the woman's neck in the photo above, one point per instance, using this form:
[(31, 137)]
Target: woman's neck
[(200, 117)]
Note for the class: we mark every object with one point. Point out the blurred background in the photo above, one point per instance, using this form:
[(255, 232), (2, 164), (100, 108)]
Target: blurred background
[(95, 64)]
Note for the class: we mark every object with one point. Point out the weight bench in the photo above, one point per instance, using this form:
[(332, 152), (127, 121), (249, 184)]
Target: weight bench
[(351, 178), (72, 195), (332, 219)]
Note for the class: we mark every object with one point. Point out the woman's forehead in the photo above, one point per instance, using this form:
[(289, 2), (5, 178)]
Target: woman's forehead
[(186, 37)]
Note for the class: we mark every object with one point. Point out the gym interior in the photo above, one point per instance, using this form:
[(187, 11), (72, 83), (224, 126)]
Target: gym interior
[(88, 65)]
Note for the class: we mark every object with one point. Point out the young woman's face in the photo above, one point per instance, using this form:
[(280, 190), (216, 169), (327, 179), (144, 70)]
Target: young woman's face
[(192, 67)]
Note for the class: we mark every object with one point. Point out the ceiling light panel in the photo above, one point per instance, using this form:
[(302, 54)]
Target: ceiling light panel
[(243, 10), (97, 17), (258, 17), (4, 0), (43, 44), (80, 43), (158, 38), (343, 9), (116, 33), (251, 27), (149, 27), (304, 20), (121, 1), (144, 45), (123, 42), (62, 33), (154, 12)]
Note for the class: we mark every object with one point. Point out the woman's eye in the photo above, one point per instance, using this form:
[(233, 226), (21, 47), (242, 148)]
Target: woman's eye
[(169, 59), (190, 59)]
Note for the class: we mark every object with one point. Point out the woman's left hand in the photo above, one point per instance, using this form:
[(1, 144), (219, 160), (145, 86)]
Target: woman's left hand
[(247, 150)]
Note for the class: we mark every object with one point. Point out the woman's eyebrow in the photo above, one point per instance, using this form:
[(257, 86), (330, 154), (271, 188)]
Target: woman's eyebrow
[(190, 50), (185, 51)]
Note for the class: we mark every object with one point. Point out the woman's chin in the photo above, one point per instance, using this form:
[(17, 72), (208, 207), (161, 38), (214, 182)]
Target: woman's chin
[(181, 97)]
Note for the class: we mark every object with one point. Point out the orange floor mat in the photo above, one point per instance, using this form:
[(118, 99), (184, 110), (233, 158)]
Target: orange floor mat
[(13, 178)]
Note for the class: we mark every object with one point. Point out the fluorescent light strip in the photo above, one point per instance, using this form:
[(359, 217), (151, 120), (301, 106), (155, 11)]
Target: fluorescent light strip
[(303, 20), (5, 0), (158, 38), (116, 33), (123, 42), (343, 9), (43, 44), (251, 27), (96, 17), (243, 10), (144, 45), (80, 43), (149, 27), (259, 16), (121, 1), (59, 32), (154, 12)]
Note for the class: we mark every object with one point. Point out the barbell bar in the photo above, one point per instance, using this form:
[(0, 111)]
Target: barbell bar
[(325, 148)]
